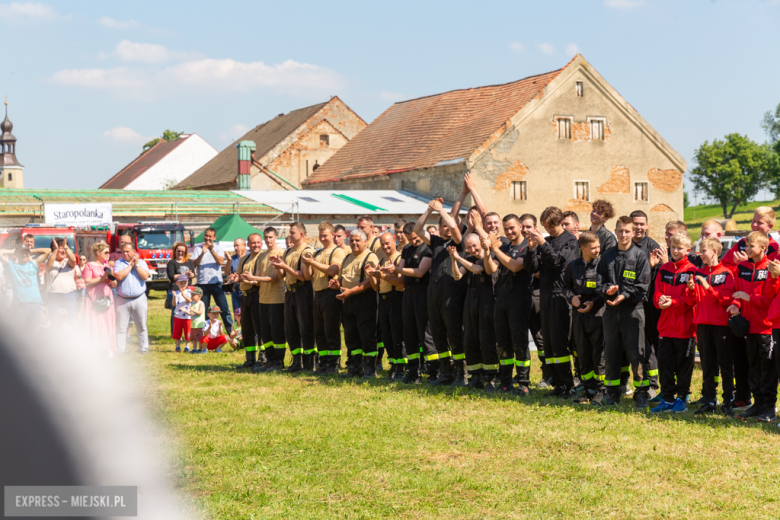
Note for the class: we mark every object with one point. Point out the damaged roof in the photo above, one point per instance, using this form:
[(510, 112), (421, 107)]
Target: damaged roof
[(429, 131), (223, 169)]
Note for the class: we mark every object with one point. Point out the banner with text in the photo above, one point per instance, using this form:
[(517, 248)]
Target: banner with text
[(79, 214)]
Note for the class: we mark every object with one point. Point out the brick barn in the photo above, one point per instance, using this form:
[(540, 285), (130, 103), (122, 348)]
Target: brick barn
[(564, 138)]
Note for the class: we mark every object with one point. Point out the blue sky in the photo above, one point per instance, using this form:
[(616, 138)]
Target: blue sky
[(89, 82)]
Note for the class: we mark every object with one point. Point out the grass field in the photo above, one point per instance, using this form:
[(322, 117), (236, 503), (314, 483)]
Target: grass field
[(303, 447), (696, 215)]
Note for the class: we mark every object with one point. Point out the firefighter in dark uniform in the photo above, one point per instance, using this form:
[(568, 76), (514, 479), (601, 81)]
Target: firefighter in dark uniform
[(250, 302), (391, 318), (445, 296), (513, 301), (652, 313), (271, 297), (358, 292), (549, 257), (414, 266), (298, 299), (326, 264), (579, 288), (623, 277), (479, 334)]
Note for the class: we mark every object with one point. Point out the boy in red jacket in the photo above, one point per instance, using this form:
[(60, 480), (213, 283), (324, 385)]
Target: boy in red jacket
[(752, 275), (714, 288), (676, 330)]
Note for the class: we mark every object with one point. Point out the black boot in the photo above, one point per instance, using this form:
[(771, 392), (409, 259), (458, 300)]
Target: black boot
[(391, 373), (490, 382), (369, 367), (476, 380), (262, 362), (297, 364), (461, 374), (250, 360), (413, 375), (445, 373), (308, 362), (354, 367)]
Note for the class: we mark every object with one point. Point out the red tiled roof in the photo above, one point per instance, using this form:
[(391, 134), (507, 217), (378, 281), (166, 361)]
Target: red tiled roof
[(423, 132), (141, 164)]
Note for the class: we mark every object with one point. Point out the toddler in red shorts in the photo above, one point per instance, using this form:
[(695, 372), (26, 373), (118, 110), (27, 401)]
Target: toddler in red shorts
[(213, 333), (181, 313)]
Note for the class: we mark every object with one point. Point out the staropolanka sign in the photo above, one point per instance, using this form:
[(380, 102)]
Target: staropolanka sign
[(78, 214)]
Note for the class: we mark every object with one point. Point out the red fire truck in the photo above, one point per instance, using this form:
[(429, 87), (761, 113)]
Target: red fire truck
[(152, 240), (11, 238)]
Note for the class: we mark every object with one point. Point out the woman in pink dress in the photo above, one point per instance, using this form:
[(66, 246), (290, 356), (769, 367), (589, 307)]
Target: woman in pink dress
[(99, 319)]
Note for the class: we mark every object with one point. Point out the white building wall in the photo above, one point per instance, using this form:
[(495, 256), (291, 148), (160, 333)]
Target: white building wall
[(182, 162)]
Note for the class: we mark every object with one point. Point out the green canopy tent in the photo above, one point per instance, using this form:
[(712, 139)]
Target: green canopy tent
[(229, 228)]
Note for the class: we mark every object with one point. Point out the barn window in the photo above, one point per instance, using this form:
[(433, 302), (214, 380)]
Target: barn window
[(597, 129), (519, 191), (10, 176), (564, 128), (324, 140), (578, 88), (641, 192), (582, 190)]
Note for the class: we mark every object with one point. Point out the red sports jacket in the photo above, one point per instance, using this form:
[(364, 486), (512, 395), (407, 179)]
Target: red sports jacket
[(672, 280), (751, 278), (772, 251), (771, 288), (711, 304)]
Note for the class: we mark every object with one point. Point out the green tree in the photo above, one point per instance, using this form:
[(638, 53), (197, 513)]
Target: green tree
[(771, 125), (686, 202), (168, 135), (731, 171)]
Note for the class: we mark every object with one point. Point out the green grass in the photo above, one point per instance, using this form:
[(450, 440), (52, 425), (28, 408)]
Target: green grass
[(302, 447), (695, 216)]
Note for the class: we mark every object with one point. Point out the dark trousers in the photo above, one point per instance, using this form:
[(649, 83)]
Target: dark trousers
[(359, 320), (272, 330), (215, 290), (299, 319), (327, 324), (741, 370), (624, 340), (479, 333), (652, 315), (535, 327), (588, 333), (556, 320), (510, 319), (415, 316), (250, 320), (715, 350), (445, 315), (391, 326), (763, 369), (676, 357)]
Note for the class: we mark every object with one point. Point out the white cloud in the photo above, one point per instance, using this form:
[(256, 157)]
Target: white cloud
[(27, 11), (105, 21), (149, 53), (206, 75), (624, 4), (392, 96), (572, 50), (234, 133), (123, 134), (517, 46), (546, 48)]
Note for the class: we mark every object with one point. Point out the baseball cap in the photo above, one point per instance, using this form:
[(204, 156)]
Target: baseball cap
[(182, 278), (198, 291), (215, 308), (739, 325)]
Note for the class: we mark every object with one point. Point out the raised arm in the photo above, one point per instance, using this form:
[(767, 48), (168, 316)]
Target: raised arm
[(471, 184), (419, 226)]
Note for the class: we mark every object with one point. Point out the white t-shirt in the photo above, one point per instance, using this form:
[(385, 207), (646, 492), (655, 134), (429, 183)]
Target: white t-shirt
[(182, 305), (209, 271), (212, 328)]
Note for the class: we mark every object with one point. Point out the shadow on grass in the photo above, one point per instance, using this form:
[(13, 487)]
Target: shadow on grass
[(202, 368), (537, 397)]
